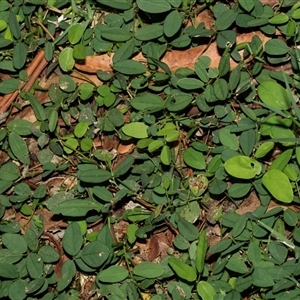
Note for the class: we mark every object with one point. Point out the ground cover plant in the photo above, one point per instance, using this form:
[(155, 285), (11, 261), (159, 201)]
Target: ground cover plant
[(149, 149)]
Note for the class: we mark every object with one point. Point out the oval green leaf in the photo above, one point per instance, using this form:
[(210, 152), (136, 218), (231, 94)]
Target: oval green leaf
[(183, 270), (129, 67), (273, 94), (242, 167), (137, 130), (113, 274), (148, 270), (278, 184)]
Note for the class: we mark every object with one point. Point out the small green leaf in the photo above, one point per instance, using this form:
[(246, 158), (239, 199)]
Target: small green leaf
[(149, 32), (72, 239), (205, 290), (19, 148), (228, 139), (172, 23), (279, 19), (278, 184), (117, 4), (137, 130), (129, 67), (262, 278), (273, 94), (147, 102), (76, 208), (154, 7), (264, 149), (148, 270), (81, 129), (66, 60), (95, 254), (94, 175), (165, 155), (187, 230), (113, 274), (183, 270), (116, 34), (37, 107), (194, 159), (276, 47), (247, 4), (75, 33), (9, 86), (20, 55), (242, 167), (190, 83), (20, 126), (201, 252)]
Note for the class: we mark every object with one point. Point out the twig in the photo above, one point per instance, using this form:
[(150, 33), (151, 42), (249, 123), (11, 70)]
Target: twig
[(34, 70)]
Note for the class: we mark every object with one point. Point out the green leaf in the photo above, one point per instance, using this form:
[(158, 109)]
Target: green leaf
[(72, 239), (278, 184), (239, 190), (137, 130), (276, 47), (194, 159), (66, 60), (262, 278), (35, 265), (247, 4), (282, 160), (228, 139), (8, 271), (187, 230), (190, 83), (236, 264), (37, 107), (220, 87), (201, 252), (75, 208), (149, 32), (95, 254), (9, 172), (124, 166), (94, 175), (19, 55), (182, 270), (242, 167), (9, 86), (273, 94), (14, 241), (68, 272), (165, 155), (147, 102), (20, 126), (172, 23), (53, 118), (48, 254), (118, 4), (279, 19), (19, 148), (148, 270), (113, 274), (178, 102), (116, 34), (154, 7), (205, 290), (81, 129), (75, 33), (264, 149), (129, 67)]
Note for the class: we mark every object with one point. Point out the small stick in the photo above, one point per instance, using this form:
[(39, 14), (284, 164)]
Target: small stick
[(34, 70)]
